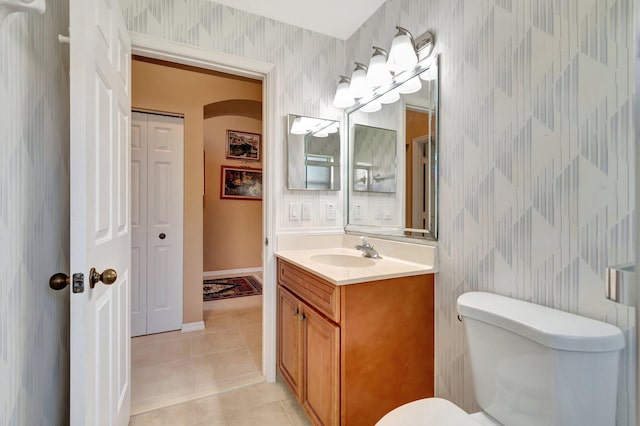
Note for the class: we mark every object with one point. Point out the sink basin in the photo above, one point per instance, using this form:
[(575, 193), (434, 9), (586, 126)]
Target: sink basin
[(344, 260)]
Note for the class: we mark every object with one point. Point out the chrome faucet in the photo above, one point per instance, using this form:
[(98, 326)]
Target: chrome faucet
[(367, 249)]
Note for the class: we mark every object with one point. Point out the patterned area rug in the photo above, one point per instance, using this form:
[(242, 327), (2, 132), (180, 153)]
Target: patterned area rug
[(226, 288)]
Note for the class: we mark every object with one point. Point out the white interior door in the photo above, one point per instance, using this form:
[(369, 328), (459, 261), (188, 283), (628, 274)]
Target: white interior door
[(157, 222), (420, 167), (100, 213)]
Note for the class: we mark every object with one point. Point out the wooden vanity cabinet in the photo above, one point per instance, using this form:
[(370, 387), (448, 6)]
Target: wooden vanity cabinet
[(308, 357), (352, 353), (289, 346)]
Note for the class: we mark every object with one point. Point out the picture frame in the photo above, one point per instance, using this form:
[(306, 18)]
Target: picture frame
[(242, 145), (240, 183)]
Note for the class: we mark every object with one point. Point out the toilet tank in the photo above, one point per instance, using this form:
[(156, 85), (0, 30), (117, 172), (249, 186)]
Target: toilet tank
[(533, 365)]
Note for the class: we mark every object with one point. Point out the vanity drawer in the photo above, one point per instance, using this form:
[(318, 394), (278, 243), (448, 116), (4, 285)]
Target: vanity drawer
[(318, 293)]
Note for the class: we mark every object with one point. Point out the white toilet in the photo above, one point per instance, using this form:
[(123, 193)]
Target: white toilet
[(531, 365)]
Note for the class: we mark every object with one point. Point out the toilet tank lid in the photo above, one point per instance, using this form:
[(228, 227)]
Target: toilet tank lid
[(547, 326)]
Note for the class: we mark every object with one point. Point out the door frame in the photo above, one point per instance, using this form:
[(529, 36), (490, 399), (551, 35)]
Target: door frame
[(157, 48)]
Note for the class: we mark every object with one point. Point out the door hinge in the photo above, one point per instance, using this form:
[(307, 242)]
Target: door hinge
[(266, 241), (78, 283)]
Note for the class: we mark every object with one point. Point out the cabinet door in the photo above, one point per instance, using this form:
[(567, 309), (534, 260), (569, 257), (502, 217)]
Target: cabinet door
[(321, 346), (289, 340)]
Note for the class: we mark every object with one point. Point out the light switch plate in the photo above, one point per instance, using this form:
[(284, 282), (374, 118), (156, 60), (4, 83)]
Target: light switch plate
[(306, 211), (331, 211), (294, 211), (357, 212)]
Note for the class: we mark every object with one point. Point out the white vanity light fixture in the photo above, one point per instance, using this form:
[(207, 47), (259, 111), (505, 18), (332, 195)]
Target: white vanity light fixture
[(424, 45), (410, 86), (297, 127), (303, 125), (321, 129), (343, 97), (430, 74), (378, 74), (402, 55), (8, 7), (390, 97), (416, 60), (333, 127), (372, 106), (359, 85)]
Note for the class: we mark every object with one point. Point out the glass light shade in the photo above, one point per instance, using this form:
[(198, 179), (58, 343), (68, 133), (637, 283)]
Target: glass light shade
[(343, 97), (410, 86), (430, 74), (359, 85), (390, 97), (378, 73), (321, 134), (402, 55), (298, 128), (372, 106), (332, 128)]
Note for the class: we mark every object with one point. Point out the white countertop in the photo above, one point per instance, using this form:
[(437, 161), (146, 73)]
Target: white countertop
[(380, 269)]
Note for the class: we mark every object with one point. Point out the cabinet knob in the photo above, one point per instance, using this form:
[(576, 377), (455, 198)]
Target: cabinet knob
[(303, 317), (295, 312)]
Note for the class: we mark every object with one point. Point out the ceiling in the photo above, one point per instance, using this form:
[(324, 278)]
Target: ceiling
[(336, 18)]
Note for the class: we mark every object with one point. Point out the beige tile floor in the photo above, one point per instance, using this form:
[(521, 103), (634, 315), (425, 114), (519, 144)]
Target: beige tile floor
[(264, 404), (171, 368)]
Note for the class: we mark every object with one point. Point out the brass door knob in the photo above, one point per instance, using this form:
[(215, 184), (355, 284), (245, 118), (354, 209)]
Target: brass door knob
[(59, 281), (108, 277)]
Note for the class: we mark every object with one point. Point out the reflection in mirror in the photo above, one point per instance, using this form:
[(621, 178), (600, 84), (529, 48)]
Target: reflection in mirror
[(410, 209), (374, 156), (313, 153), (420, 160)]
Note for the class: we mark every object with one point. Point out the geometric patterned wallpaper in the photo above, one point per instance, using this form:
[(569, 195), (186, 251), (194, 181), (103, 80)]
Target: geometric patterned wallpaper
[(536, 158), (307, 66), (34, 217)]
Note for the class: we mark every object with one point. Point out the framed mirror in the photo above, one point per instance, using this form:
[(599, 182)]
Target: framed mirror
[(393, 159), (313, 153)]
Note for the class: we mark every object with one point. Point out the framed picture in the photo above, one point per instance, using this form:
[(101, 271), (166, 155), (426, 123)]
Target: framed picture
[(241, 183), (243, 145)]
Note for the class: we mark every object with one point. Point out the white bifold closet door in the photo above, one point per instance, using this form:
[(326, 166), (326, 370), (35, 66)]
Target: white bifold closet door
[(157, 176)]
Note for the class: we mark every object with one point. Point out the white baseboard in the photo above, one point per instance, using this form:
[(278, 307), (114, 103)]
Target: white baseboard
[(245, 271), (192, 326)]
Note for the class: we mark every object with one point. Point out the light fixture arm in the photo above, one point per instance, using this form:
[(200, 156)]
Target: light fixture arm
[(8, 7), (424, 45), (402, 30), (380, 51), (360, 66)]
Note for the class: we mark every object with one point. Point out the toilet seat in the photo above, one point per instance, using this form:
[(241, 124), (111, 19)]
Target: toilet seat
[(428, 412)]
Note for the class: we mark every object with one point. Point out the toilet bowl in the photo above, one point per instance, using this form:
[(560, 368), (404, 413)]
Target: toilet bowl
[(531, 365), (431, 412)]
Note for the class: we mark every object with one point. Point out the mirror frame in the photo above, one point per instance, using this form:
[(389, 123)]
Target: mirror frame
[(393, 232)]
